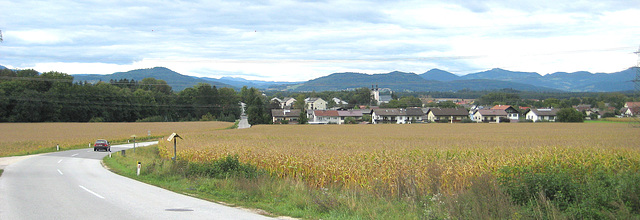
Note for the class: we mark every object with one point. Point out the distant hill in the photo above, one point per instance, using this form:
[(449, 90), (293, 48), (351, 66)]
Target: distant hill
[(503, 75), (240, 82), (400, 81), (572, 82), (177, 81), (439, 75), (2, 67)]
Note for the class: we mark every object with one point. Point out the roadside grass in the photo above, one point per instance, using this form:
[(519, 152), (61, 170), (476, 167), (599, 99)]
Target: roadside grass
[(1, 170)]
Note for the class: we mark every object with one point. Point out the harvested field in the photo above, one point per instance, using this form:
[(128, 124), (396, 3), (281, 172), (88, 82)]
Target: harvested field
[(19, 138)]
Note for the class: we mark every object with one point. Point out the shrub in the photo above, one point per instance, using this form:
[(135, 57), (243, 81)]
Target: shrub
[(466, 120), (208, 117), (597, 195), (222, 168), (570, 115), (96, 119)]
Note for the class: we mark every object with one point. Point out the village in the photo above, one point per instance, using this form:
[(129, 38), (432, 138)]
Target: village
[(317, 112)]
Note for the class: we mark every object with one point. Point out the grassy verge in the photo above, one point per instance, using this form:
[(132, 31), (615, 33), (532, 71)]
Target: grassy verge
[(512, 193), (1, 170)]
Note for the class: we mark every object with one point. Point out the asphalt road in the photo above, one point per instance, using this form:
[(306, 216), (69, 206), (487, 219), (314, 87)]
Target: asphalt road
[(244, 122), (74, 185)]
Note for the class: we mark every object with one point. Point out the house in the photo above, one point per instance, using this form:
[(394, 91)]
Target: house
[(288, 101), (630, 109), (547, 114), (315, 104), (490, 115), (354, 113), (396, 115), (446, 114), (290, 115), (512, 113), (324, 117), (591, 113), (333, 116), (339, 101)]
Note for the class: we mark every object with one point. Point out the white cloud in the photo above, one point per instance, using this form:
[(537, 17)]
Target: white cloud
[(301, 40)]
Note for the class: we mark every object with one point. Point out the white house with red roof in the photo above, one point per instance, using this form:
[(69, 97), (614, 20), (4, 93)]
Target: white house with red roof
[(512, 113)]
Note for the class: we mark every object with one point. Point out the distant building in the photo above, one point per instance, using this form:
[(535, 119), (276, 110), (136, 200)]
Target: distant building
[(339, 101), (396, 115), (291, 115), (447, 114), (512, 113), (630, 109), (547, 114), (315, 104), (380, 99), (489, 115)]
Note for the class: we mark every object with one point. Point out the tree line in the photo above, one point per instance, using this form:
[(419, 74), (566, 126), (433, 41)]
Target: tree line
[(28, 96)]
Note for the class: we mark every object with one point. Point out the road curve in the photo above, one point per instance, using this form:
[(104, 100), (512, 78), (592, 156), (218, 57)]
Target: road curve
[(244, 122), (74, 185)]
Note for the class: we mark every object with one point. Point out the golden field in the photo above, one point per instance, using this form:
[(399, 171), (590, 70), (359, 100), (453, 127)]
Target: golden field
[(18, 138), (430, 158)]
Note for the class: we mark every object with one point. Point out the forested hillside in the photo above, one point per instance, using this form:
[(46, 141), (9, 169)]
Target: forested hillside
[(28, 96)]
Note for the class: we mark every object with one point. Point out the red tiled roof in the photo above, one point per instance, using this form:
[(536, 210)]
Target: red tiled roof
[(500, 107), (329, 113)]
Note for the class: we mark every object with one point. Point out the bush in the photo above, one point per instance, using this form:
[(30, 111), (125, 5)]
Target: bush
[(350, 120), (466, 120), (570, 115), (208, 117), (96, 119), (597, 195), (222, 168)]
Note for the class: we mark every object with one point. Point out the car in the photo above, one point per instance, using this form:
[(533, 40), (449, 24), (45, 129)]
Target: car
[(102, 144)]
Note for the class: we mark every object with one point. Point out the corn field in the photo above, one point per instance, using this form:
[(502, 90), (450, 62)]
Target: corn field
[(430, 158), (16, 138)]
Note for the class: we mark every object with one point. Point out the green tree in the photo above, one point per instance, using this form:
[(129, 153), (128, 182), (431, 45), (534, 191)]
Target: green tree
[(302, 119), (299, 104), (411, 101), (569, 115)]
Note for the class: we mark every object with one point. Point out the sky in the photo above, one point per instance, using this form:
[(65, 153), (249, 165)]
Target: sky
[(285, 40)]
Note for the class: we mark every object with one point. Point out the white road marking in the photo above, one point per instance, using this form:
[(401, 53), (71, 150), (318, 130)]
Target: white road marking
[(59, 160), (74, 155), (60, 172), (95, 194)]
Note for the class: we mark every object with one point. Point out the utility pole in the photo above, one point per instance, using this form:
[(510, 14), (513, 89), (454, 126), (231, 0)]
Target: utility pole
[(636, 83)]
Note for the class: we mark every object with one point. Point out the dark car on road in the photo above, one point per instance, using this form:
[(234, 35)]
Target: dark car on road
[(102, 144)]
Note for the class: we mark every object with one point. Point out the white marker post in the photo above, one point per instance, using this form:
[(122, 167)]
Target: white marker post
[(57, 147), (139, 166)]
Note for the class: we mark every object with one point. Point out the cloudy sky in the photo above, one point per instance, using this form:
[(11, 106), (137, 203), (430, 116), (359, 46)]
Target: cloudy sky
[(300, 40)]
